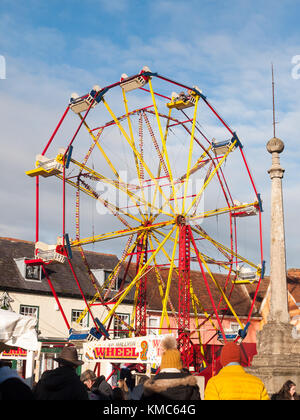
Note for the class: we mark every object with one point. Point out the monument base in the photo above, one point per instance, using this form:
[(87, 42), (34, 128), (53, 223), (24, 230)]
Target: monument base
[(278, 356)]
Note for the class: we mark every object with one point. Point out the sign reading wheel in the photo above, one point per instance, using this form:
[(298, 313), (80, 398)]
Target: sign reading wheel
[(125, 350)]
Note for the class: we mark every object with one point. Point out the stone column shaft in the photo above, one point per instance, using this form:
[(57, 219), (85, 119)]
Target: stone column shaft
[(279, 297)]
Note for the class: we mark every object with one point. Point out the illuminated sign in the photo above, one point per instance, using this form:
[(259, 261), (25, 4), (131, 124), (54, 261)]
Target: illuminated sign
[(14, 354)]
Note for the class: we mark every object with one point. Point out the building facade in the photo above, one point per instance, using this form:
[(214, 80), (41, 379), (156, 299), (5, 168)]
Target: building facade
[(28, 292)]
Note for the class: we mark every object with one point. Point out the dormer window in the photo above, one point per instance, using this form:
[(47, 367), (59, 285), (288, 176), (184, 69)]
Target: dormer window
[(33, 272), (102, 276), (29, 272)]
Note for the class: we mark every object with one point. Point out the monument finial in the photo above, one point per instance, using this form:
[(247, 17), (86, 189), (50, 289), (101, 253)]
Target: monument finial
[(273, 97), (275, 144)]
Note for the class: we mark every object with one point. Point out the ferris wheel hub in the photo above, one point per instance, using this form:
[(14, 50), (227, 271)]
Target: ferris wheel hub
[(180, 220)]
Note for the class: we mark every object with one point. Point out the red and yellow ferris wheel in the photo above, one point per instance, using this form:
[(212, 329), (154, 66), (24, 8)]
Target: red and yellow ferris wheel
[(173, 178)]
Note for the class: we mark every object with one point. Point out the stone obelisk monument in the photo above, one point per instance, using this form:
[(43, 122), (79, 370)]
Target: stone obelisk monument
[(279, 294), (278, 353), (278, 357)]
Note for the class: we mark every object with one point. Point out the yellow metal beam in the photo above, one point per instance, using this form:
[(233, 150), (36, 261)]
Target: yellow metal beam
[(190, 154), (138, 276), (167, 291), (138, 155), (211, 176), (118, 233), (162, 136)]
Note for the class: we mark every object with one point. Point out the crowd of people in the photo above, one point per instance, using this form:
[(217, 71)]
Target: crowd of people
[(172, 383)]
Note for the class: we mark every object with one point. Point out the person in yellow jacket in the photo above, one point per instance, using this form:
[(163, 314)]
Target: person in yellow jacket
[(232, 382)]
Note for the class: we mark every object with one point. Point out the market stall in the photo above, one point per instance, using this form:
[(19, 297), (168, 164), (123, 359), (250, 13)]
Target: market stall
[(18, 340)]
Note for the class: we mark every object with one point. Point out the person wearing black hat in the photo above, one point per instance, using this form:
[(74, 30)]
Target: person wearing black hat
[(62, 383)]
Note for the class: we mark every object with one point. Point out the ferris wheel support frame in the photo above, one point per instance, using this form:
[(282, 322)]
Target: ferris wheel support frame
[(186, 242)]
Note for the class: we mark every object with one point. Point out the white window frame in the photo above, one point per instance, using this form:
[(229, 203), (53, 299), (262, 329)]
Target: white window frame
[(156, 320), (84, 322), (126, 318), (235, 326)]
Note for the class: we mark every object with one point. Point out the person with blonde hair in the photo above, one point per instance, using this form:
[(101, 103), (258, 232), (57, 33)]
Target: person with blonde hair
[(171, 383)]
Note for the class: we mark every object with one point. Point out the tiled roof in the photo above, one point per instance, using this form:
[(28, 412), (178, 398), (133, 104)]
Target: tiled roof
[(294, 283), (60, 274), (65, 285), (240, 298)]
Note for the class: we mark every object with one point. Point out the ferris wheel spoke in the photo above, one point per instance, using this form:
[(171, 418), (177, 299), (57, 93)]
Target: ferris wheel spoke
[(198, 165), (190, 154), (123, 187), (164, 235), (202, 262), (118, 233), (222, 248), (163, 141), (138, 276), (224, 210), (162, 163), (161, 154), (96, 138), (138, 155), (111, 207), (167, 291), (202, 309), (173, 196), (113, 275), (112, 278), (210, 177), (137, 164), (162, 287), (96, 141)]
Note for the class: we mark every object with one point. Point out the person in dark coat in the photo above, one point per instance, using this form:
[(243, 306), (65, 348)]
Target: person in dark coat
[(171, 383), (126, 383), (12, 386), (62, 383), (138, 390), (98, 388), (117, 394)]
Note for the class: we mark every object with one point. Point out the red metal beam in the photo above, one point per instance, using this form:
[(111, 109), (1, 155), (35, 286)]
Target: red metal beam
[(184, 294), (56, 297), (141, 306)]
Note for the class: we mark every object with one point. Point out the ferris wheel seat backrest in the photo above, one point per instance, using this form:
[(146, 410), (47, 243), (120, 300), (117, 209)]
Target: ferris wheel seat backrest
[(181, 100), (48, 167), (136, 82), (49, 253), (220, 148), (80, 104)]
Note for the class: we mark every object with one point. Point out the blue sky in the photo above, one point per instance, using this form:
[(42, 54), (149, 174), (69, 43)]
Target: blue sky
[(54, 48)]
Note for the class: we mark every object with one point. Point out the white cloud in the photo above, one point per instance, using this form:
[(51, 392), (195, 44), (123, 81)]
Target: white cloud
[(233, 67)]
